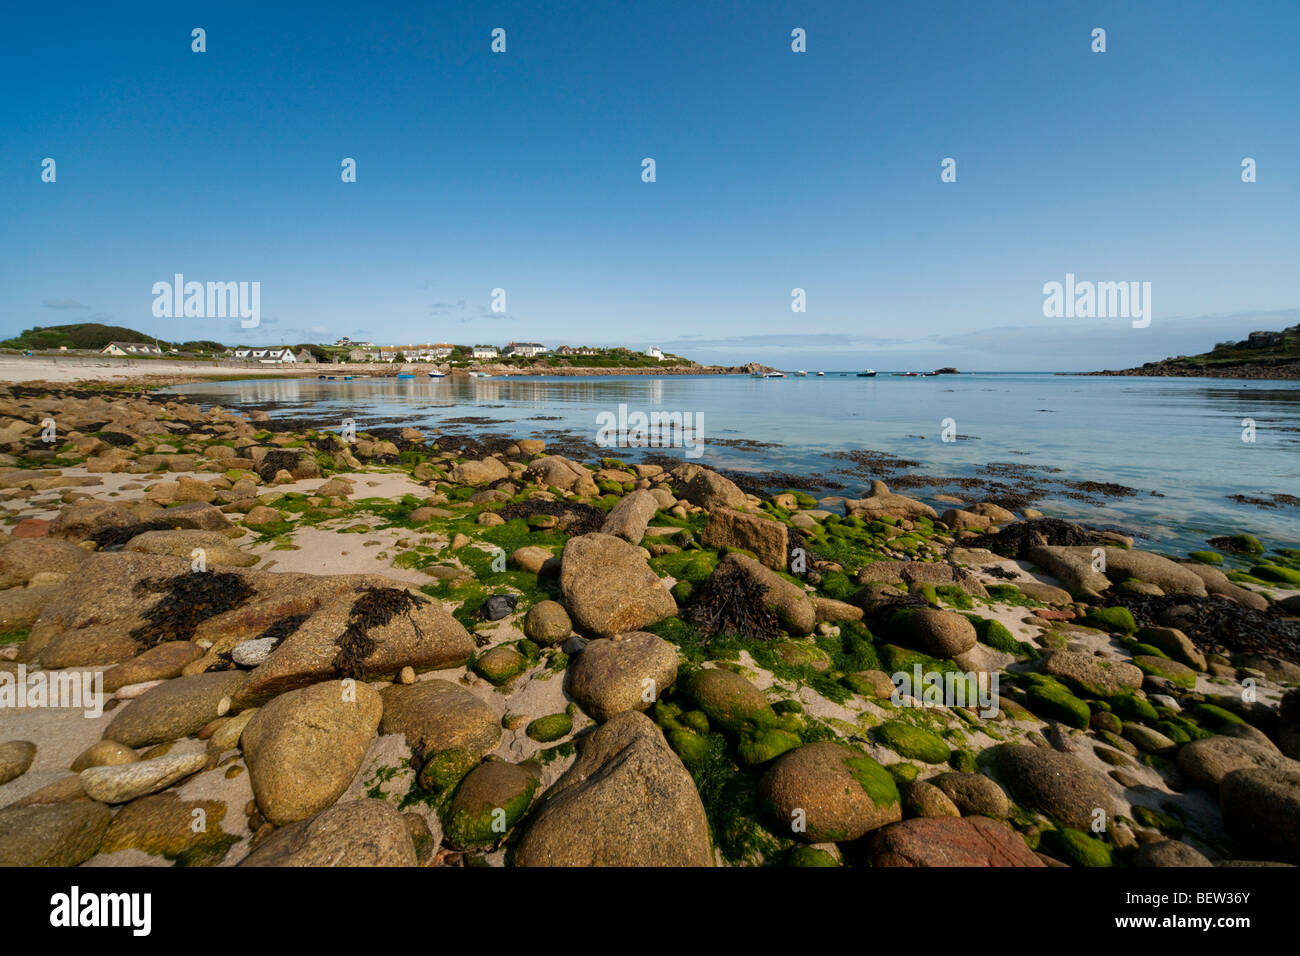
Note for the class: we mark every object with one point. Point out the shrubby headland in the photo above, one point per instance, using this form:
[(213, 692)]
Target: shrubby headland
[(1261, 355)]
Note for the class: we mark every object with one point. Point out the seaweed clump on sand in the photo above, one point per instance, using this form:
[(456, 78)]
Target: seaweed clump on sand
[(188, 600), (731, 602), (374, 608), (573, 518), (1217, 623), (1016, 540)]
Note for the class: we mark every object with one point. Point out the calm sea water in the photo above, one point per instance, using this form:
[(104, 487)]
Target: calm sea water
[(1180, 439)]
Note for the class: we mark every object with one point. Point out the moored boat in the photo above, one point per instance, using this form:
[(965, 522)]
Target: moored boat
[(867, 373)]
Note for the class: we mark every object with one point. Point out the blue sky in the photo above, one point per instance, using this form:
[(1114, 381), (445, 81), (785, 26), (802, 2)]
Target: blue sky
[(775, 170)]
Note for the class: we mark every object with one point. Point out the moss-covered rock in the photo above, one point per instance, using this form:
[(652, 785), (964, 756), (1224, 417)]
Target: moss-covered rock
[(550, 728), (963, 761), (489, 801), (692, 747), (1239, 544), (1052, 700), (903, 772), (803, 654), (1276, 574), (728, 700), (1077, 848), (163, 825), (1113, 619), (1180, 674), (995, 635), (913, 742), (500, 665), (1132, 707), (445, 769), (827, 792), (809, 856), (767, 743)]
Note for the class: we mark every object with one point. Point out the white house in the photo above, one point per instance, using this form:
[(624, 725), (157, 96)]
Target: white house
[(484, 352), (425, 353), (266, 356), (130, 348), (526, 349), (655, 354)]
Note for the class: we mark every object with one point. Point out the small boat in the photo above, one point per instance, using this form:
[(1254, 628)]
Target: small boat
[(757, 375), (821, 374), (867, 373), (347, 378), (405, 375), (801, 374), (437, 374), (774, 375)]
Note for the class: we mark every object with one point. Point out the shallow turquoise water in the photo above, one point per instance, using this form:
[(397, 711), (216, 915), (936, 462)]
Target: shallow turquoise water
[(1179, 438)]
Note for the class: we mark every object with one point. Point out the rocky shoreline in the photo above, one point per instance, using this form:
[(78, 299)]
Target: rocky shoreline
[(1261, 355), (1285, 370), (386, 652)]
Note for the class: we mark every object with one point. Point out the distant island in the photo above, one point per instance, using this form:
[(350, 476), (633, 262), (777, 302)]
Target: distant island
[(1261, 355)]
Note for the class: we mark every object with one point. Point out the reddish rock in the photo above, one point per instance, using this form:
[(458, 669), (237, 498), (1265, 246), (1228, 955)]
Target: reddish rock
[(950, 841), (31, 528), (1053, 614)]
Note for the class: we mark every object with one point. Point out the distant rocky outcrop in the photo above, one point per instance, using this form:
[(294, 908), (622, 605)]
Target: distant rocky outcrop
[(1261, 355)]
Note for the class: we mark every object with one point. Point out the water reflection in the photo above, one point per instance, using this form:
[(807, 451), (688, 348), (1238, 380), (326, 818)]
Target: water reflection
[(1178, 438)]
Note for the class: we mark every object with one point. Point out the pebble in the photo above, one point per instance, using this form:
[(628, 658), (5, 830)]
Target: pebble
[(253, 653), (498, 606), (124, 782), (132, 691)]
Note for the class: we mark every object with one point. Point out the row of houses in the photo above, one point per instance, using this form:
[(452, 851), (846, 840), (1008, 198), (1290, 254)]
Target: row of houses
[(368, 352), (280, 356), (133, 349), (265, 356), (440, 352)]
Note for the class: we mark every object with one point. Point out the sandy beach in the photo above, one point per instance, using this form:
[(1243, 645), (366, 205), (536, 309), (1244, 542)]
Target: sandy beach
[(67, 370)]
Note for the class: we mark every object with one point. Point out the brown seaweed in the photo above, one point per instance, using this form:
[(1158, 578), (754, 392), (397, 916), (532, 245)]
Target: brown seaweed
[(376, 607)]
